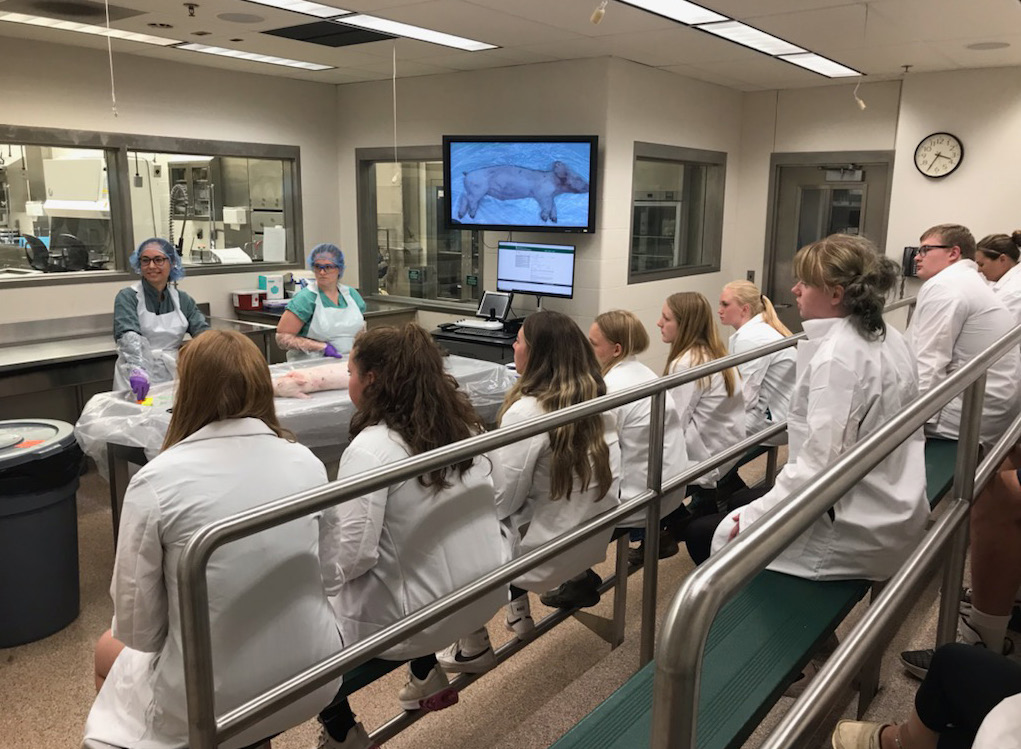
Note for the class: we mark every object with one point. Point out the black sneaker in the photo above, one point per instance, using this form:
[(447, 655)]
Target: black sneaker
[(577, 593), (917, 662), (667, 548)]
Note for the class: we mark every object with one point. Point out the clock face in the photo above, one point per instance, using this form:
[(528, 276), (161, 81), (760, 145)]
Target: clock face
[(938, 155)]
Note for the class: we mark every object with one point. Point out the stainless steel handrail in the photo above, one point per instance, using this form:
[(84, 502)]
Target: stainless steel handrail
[(813, 705), (686, 626), (205, 730)]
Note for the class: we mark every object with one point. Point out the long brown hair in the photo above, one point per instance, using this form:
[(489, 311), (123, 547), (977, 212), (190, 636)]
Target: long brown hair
[(745, 292), (221, 375), (562, 371), (696, 332), (625, 329), (412, 394)]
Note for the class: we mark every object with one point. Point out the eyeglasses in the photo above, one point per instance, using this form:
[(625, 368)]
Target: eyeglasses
[(159, 262), (925, 248), (325, 268)]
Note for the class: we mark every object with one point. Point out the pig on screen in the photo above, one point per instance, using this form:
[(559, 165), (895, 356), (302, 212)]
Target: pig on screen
[(516, 182)]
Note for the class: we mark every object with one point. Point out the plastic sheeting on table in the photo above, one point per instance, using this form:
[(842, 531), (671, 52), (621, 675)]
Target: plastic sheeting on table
[(320, 421)]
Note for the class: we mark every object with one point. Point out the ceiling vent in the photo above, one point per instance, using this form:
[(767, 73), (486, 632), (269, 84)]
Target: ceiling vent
[(79, 11), (329, 34)]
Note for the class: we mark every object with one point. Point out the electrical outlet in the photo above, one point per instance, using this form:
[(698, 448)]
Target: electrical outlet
[(750, 275), (157, 171)]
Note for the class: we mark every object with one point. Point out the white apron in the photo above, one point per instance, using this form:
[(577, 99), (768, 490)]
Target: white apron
[(332, 325), (164, 334)]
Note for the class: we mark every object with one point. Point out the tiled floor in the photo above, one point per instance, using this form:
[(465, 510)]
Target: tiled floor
[(46, 687)]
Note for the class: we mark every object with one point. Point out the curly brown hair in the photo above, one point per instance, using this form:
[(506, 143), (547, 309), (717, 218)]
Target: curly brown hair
[(412, 394)]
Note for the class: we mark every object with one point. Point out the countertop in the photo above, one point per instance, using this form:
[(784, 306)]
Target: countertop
[(16, 357)]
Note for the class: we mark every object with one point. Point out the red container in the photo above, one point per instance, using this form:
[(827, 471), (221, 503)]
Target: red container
[(249, 299)]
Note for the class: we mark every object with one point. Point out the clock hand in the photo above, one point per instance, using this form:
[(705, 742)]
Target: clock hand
[(940, 156)]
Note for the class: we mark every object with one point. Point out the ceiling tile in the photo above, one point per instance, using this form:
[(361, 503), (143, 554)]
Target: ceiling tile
[(575, 15)]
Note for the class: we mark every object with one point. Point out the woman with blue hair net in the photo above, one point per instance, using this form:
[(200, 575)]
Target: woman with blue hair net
[(324, 318), (151, 318)]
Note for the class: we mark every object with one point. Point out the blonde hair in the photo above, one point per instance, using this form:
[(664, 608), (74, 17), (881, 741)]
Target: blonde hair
[(221, 375), (696, 332), (626, 330), (745, 292), (562, 371), (854, 264)]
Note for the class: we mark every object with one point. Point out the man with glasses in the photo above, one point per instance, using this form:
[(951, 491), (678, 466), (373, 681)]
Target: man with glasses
[(151, 318), (956, 318)]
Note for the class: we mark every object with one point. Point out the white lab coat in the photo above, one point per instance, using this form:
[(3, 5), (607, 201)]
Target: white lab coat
[(389, 553), (767, 382), (711, 419), (1008, 289), (847, 388), (958, 316), (268, 613), (1001, 728), (521, 474), (633, 422)]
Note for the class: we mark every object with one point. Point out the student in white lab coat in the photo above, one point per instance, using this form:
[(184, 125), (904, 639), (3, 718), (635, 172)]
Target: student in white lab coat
[(768, 381), (957, 317), (854, 375), (711, 409), (224, 453), (617, 338), (550, 484), (388, 554), (997, 258)]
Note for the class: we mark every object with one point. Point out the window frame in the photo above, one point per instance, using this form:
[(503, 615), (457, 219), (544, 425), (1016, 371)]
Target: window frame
[(712, 242), (365, 200), (116, 147)]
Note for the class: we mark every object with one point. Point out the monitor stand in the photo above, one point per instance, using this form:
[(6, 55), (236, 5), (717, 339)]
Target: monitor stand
[(538, 303)]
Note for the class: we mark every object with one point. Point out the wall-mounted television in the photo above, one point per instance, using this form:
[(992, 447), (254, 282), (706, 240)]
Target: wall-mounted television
[(521, 183), (538, 269)]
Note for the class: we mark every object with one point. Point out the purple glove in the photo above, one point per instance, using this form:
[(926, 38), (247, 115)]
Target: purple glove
[(139, 384), (330, 351)]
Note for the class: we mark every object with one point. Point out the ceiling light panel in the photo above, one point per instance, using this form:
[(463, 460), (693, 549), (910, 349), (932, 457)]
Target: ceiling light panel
[(85, 28), (396, 28), (303, 6), (745, 35), (252, 56), (678, 10), (822, 65)]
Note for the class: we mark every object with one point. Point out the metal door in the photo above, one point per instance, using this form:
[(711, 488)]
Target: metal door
[(811, 202)]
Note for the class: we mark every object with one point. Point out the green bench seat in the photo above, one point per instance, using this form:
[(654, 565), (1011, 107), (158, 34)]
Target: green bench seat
[(759, 640)]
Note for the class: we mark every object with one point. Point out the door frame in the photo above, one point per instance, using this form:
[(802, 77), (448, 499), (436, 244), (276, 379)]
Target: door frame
[(818, 158)]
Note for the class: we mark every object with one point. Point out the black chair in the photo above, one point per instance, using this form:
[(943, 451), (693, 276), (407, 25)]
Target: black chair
[(69, 253), (36, 253)]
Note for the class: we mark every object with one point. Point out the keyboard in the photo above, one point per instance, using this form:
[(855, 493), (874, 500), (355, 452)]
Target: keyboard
[(483, 333), (479, 323)]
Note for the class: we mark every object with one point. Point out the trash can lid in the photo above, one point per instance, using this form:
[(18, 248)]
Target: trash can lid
[(22, 440)]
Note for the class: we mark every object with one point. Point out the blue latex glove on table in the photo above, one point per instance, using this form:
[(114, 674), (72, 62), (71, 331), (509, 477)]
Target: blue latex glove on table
[(139, 382), (332, 352)]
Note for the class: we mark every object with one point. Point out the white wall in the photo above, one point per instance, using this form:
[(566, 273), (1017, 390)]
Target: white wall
[(48, 85)]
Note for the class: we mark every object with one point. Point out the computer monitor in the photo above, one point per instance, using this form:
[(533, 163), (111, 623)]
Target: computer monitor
[(494, 306), (532, 268)]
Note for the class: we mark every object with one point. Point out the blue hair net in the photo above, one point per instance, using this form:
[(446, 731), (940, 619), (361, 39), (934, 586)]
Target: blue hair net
[(176, 269), (331, 251)]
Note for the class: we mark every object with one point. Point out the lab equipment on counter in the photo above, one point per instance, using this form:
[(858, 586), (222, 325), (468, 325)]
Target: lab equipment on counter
[(273, 285), (39, 468), (319, 421), (248, 299)]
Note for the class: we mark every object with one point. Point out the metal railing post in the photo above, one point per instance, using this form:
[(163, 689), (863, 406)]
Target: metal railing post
[(964, 488), (193, 595), (650, 572)]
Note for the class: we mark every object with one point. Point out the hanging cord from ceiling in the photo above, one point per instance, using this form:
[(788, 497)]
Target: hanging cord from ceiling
[(397, 165), (864, 39), (109, 54)]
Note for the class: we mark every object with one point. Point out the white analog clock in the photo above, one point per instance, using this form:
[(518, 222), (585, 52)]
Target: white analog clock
[(938, 154)]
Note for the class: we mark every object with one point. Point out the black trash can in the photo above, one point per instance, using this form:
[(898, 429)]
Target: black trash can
[(39, 467)]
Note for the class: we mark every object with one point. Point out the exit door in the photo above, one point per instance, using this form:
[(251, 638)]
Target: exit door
[(837, 196)]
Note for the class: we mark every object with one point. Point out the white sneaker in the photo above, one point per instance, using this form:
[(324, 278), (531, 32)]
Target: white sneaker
[(357, 738), (469, 655), (431, 693), (519, 618)]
